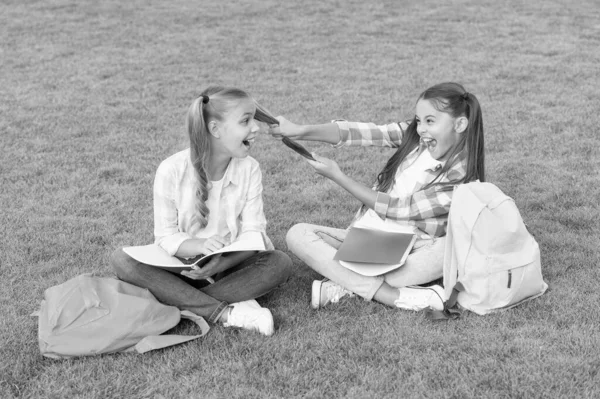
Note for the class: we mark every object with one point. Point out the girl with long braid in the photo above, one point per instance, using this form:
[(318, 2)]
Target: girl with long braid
[(441, 147), (205, 198)]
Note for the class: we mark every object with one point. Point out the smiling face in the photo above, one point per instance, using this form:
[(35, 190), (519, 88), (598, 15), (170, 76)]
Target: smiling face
[(235, 134), (439, 130)]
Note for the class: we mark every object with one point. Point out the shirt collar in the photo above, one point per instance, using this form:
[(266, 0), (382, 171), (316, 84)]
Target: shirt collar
[(230, 174), (433, 165)]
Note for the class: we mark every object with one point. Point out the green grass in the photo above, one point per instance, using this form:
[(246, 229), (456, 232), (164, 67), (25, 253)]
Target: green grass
[(93, 97)]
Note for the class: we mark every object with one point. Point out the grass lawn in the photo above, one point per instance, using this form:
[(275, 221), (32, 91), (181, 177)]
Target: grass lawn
[(94, 94)]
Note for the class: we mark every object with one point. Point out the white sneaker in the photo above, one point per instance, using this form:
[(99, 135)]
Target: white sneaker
[(326, 291), (419, 298), (251, 316)]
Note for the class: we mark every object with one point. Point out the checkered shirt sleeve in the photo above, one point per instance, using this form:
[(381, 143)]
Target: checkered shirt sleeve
[(369, 134)]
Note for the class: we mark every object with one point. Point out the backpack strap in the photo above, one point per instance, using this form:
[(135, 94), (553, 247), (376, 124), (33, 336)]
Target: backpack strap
[(451, 310), (153, 342)]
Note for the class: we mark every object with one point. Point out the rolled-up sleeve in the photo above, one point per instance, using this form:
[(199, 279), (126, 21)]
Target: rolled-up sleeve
[(166, 230), (369, 134)]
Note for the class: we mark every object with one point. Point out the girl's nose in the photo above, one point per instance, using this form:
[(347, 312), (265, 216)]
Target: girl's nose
[(420, 129), (254, 127)]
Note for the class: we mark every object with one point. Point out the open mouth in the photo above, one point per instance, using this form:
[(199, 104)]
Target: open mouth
[(248, 142), (429, 142)]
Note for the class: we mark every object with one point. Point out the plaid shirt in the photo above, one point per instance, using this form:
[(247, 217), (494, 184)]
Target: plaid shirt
[(427, 208), (175, 201)]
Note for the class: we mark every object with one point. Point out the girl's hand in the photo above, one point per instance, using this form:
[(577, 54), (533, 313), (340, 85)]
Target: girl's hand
[(285, 128), (326, 167), (213, 244), (213, 267)]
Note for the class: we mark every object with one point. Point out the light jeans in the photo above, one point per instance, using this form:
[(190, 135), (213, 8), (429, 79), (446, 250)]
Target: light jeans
[(316, 246)]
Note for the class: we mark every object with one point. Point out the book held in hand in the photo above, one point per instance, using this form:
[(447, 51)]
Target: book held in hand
[(372, 252), (154, 255)]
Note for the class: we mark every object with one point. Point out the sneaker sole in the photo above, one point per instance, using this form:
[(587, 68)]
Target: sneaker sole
[(315, 300), (269, 329)]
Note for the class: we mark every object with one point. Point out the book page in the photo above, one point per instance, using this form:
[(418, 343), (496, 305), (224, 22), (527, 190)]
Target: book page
[(369, 269), (154, 255), (250, 242)]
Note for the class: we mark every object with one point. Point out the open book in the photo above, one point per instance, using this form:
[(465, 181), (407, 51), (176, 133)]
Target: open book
[(154, 255), (372, 252)]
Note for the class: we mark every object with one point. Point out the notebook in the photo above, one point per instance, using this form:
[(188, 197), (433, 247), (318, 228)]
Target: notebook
[(373, 252)]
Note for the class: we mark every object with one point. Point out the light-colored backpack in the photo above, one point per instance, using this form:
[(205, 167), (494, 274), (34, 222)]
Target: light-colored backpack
[(90, 315), (491, 261)]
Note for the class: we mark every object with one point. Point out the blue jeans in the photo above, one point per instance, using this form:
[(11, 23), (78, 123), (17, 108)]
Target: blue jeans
[(250, 279)]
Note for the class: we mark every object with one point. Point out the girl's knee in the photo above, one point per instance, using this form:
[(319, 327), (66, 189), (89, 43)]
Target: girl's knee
[(282, 263), (295, 233), (121, 263)]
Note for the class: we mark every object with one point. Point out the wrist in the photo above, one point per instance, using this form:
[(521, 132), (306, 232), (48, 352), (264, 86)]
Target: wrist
[(303, 131), (340, 178), (199, 246)]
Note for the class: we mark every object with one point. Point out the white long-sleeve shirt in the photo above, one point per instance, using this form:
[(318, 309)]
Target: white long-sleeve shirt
[(240, 203)]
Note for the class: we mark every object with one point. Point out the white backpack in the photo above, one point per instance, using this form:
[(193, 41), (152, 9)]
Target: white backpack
[(89, 315), (491, 262)]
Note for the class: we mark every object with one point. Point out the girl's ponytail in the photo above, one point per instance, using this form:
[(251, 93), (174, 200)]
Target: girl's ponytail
[(199, 154), (474, 140)]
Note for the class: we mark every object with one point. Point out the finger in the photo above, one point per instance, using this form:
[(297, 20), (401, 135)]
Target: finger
[(318, 157), (215, 246), (208, 266), (212, 246), (214, 260), (275, 131), (194, 275), (318, 162), (220, 239)]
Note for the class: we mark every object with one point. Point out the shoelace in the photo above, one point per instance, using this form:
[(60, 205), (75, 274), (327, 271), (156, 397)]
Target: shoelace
[(336, 292)]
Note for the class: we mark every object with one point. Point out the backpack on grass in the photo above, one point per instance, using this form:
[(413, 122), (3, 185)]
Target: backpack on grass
[(90, 315), (491, 261)]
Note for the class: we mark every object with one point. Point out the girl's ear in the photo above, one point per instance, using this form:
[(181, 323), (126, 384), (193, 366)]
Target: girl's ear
[(213, 129), (460, 124)]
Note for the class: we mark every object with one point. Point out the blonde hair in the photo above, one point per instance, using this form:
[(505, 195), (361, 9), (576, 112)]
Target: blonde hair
[(212, 104)]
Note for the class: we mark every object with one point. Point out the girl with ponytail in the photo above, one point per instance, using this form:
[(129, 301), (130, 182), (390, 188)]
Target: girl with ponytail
[(441, 147), (207, 197)]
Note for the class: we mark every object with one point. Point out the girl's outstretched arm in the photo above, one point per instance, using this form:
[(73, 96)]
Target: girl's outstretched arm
[(326, 133), (341, 132), (330, 169)]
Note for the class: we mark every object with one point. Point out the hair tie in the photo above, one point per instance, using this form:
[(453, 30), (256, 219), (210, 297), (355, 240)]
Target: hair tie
[(465, 95), (205, 99)]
